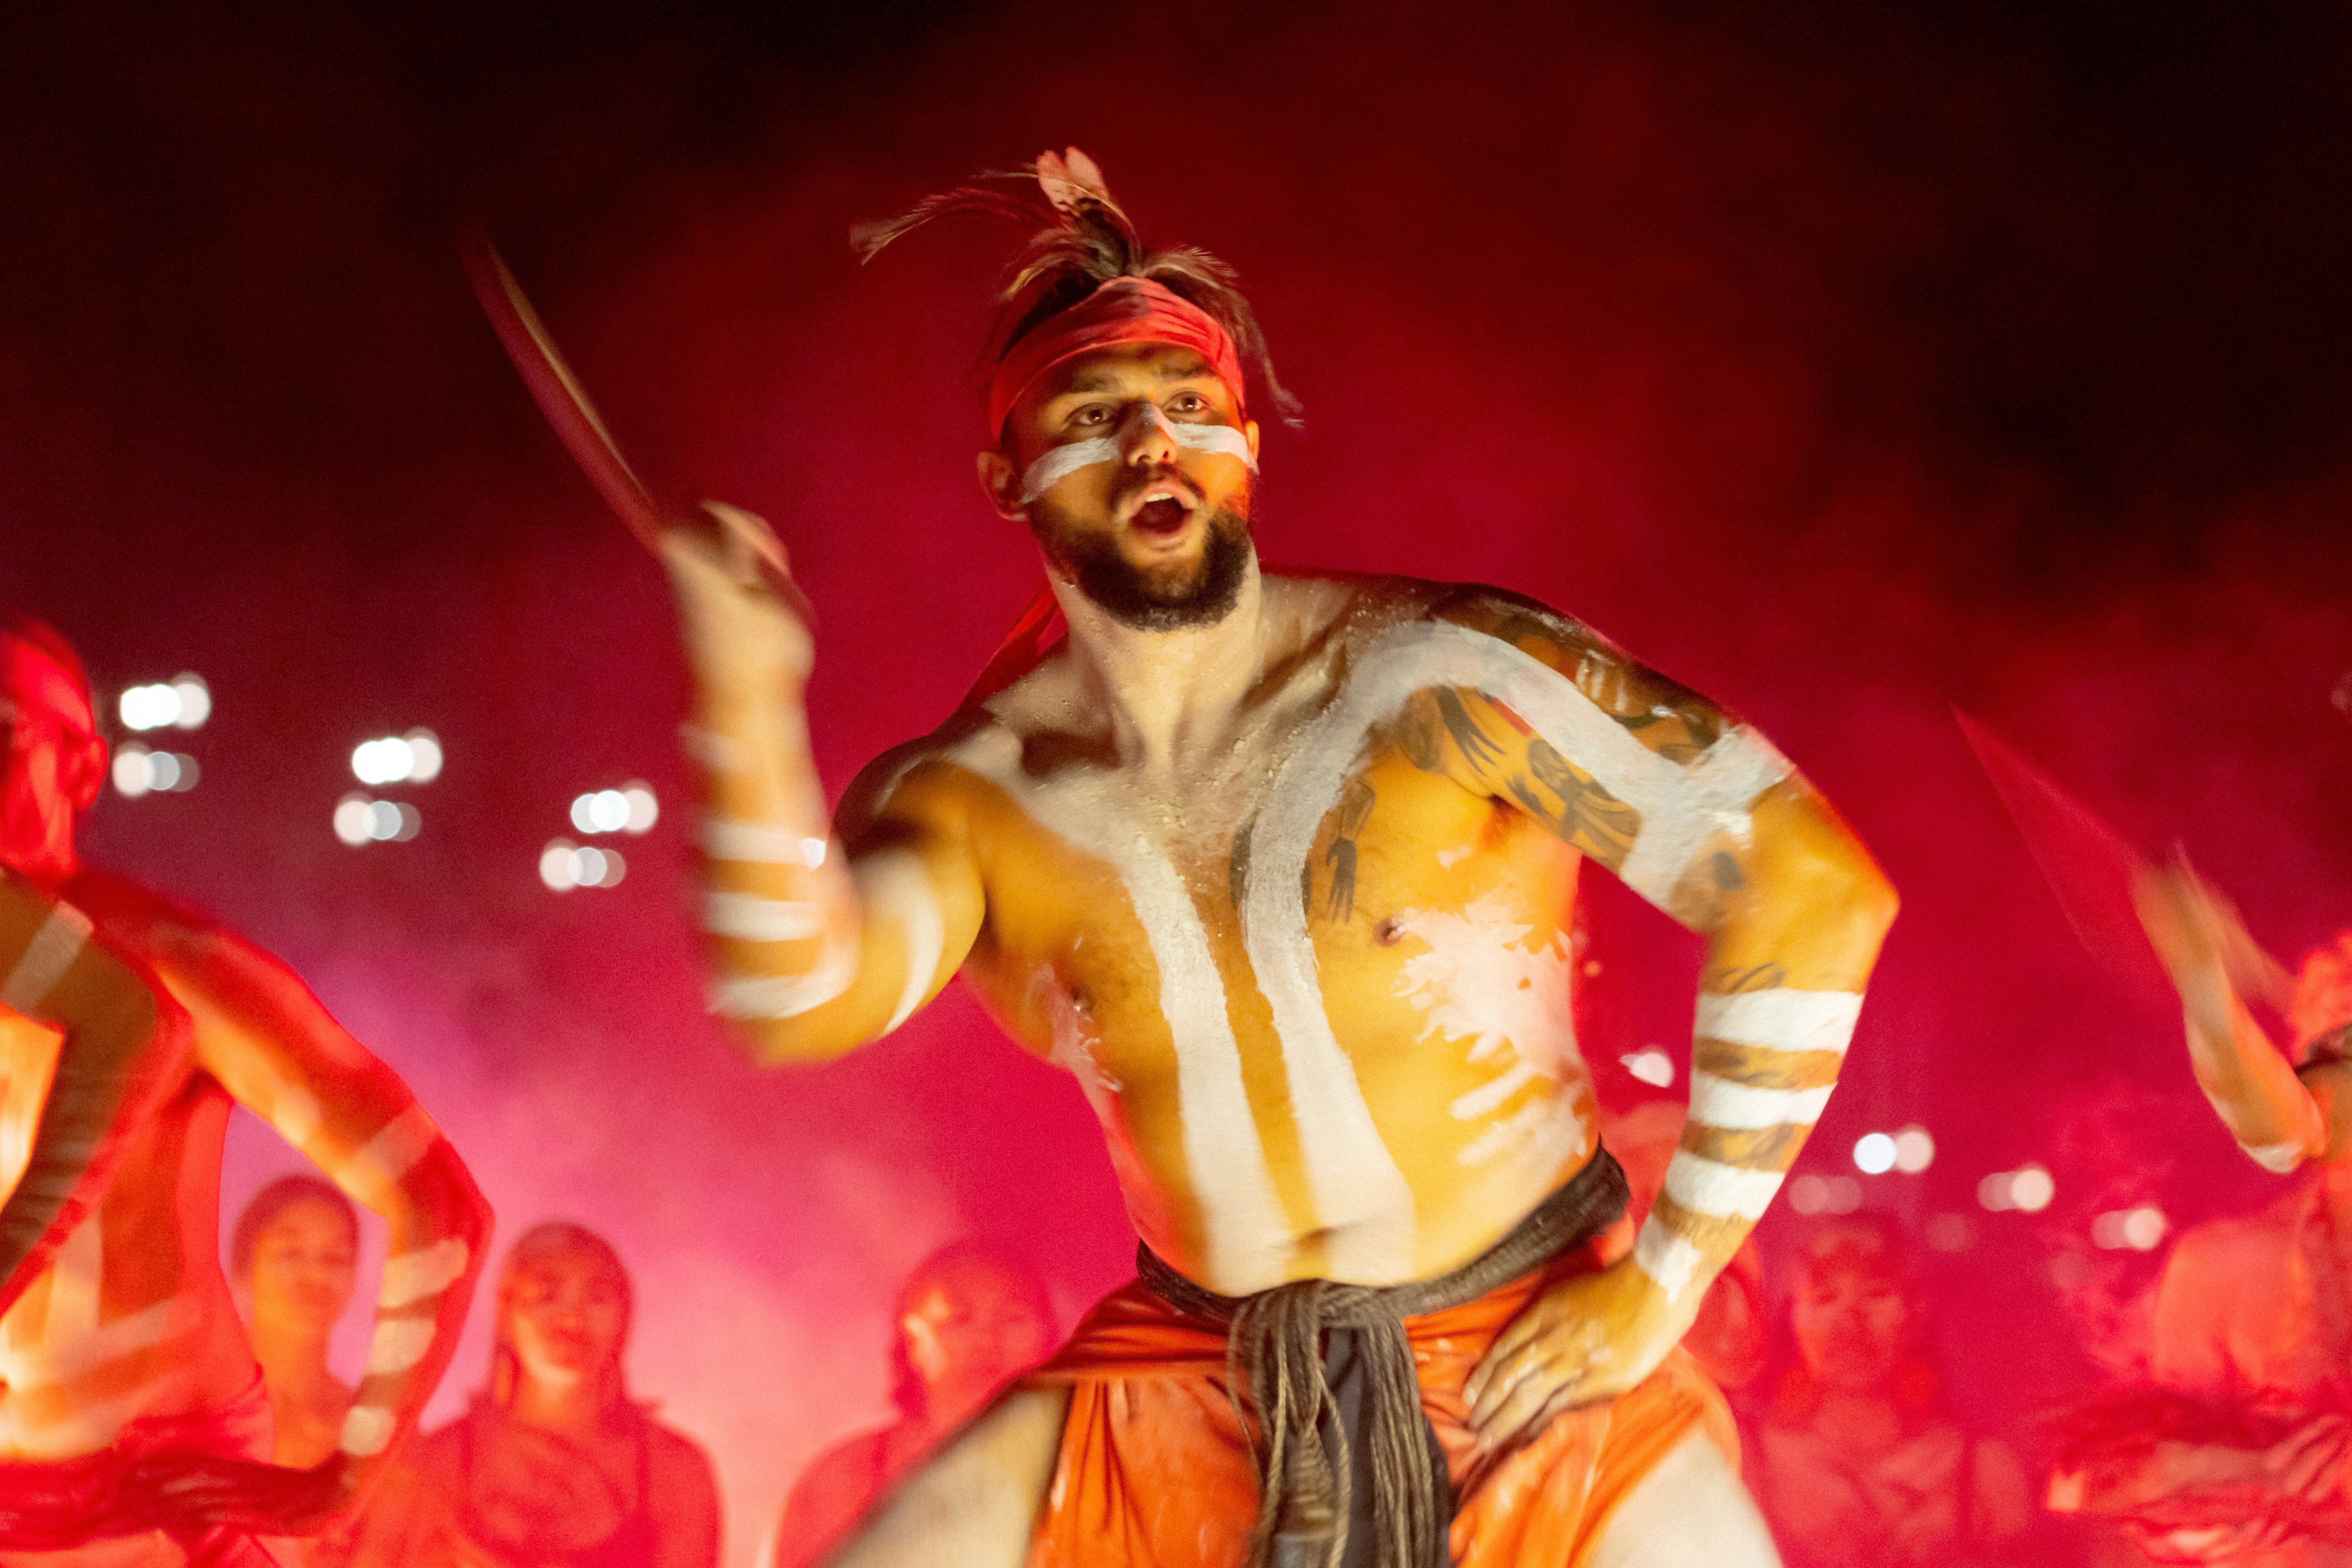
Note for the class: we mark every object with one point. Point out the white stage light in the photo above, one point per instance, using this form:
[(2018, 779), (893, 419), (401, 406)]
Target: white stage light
[(196, 700), (643, 810), (352, 819), (1873, 1153), (1914, 1150)]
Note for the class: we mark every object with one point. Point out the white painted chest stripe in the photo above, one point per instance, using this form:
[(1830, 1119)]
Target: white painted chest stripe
[(1245, 1231), (1783, 1020), (1719, 1102), (1706, 1187), (745, 917), (47, 957), (1058, 463)]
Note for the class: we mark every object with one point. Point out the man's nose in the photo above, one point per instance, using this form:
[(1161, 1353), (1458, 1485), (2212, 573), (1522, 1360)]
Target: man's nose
[(1148, 438)]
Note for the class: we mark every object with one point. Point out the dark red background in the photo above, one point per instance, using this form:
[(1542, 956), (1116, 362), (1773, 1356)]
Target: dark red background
[(1846, 363)]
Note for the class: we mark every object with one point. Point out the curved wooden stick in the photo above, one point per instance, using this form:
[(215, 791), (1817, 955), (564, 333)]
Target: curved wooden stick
[(558, 394)]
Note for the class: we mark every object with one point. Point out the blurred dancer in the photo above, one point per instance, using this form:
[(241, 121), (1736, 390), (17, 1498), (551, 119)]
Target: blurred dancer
[(131, 1408), (1854, 1462), (969, 1319), (554, 1466), (2252, 1464), (1281, 869), (296, 1252)]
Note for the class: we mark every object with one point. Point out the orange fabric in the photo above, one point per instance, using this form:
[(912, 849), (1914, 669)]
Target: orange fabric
[(1156, 1472)]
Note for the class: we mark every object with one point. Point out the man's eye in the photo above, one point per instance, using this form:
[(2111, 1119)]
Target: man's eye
[(1187, 403)]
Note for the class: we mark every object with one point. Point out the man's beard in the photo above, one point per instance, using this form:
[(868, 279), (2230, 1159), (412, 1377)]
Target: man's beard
[(1157, 599)]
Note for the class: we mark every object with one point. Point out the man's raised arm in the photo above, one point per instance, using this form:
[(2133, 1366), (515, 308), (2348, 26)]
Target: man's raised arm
[(819, 945), (1703, 818)]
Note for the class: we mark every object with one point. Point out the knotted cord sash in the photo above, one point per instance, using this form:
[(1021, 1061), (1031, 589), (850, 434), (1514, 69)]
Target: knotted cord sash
[(1278, 1368)]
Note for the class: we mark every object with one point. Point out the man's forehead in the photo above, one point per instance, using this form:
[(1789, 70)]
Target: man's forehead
[(1122, 366)]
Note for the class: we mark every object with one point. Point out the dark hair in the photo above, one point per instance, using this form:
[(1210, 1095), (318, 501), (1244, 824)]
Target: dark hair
[(1085, 241), (274, 1200), (906, 1383), (542, 1242)]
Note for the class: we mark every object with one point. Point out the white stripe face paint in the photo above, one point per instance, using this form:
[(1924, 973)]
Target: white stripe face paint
[(1719, 1102), (367, 1431), (1668, 1259), (393, 1152), (1058, 463), (1782, 1020), (1247, 1234), (760, 844), (1710, 1187), (749, 917), (412, 1276), (893, 885), (45, 957), (399, 1343)]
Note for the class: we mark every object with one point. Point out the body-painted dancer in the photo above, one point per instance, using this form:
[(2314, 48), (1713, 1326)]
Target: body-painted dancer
[(2253, 1316), (1281, 869), (134, 1424)]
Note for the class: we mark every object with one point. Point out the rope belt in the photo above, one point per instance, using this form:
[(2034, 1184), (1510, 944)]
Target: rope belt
[(1327, 1370)]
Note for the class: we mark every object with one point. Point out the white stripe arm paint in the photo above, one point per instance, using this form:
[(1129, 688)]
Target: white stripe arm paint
[(398, 1344), (1058, 463), (64, 1359), (1719, 1102), (745, 917), (893, 885), (1668, 1259), (47, 957), (2279, 1158), (414, 1277), (1782, 1020), (759, 843), (393, 1152), (1709, 1187), (752, 997), (367, 1430), (1245, 1233)]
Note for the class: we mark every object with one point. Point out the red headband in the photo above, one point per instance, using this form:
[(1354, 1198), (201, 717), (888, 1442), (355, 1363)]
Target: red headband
[(1123, 310), (34, 679)]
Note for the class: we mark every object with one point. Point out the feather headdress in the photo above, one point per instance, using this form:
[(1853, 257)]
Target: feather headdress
[(1082, 239)]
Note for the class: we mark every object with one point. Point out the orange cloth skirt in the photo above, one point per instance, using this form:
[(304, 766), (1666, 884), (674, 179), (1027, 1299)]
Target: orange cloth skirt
[(1156, 1470)]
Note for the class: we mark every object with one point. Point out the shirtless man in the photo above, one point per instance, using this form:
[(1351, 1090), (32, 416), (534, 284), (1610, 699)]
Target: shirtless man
[(131, 1408), (1281, 869)]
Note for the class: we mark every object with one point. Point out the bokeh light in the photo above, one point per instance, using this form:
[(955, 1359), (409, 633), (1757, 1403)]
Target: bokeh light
[(1914, 1148), (631, 809), (136, 771), (1873, 1153), (564, 866), (412, 758), (182, 703)]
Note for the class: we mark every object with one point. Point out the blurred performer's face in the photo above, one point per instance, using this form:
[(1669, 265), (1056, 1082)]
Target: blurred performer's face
[(303, 1264), (1852, 1327), (49, 771), (566, 1314), (1152, 529), (967, 1327)]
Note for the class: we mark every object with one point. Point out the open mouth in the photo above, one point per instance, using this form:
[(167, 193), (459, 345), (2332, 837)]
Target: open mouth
[(1161, 512)]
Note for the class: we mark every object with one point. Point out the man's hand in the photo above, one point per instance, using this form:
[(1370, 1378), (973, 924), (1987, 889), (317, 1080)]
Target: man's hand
[(187, 1495), (1589, 1337), (747, 624)]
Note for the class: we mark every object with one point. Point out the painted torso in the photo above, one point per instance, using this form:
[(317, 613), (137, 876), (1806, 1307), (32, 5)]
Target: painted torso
[(1317, 989)]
